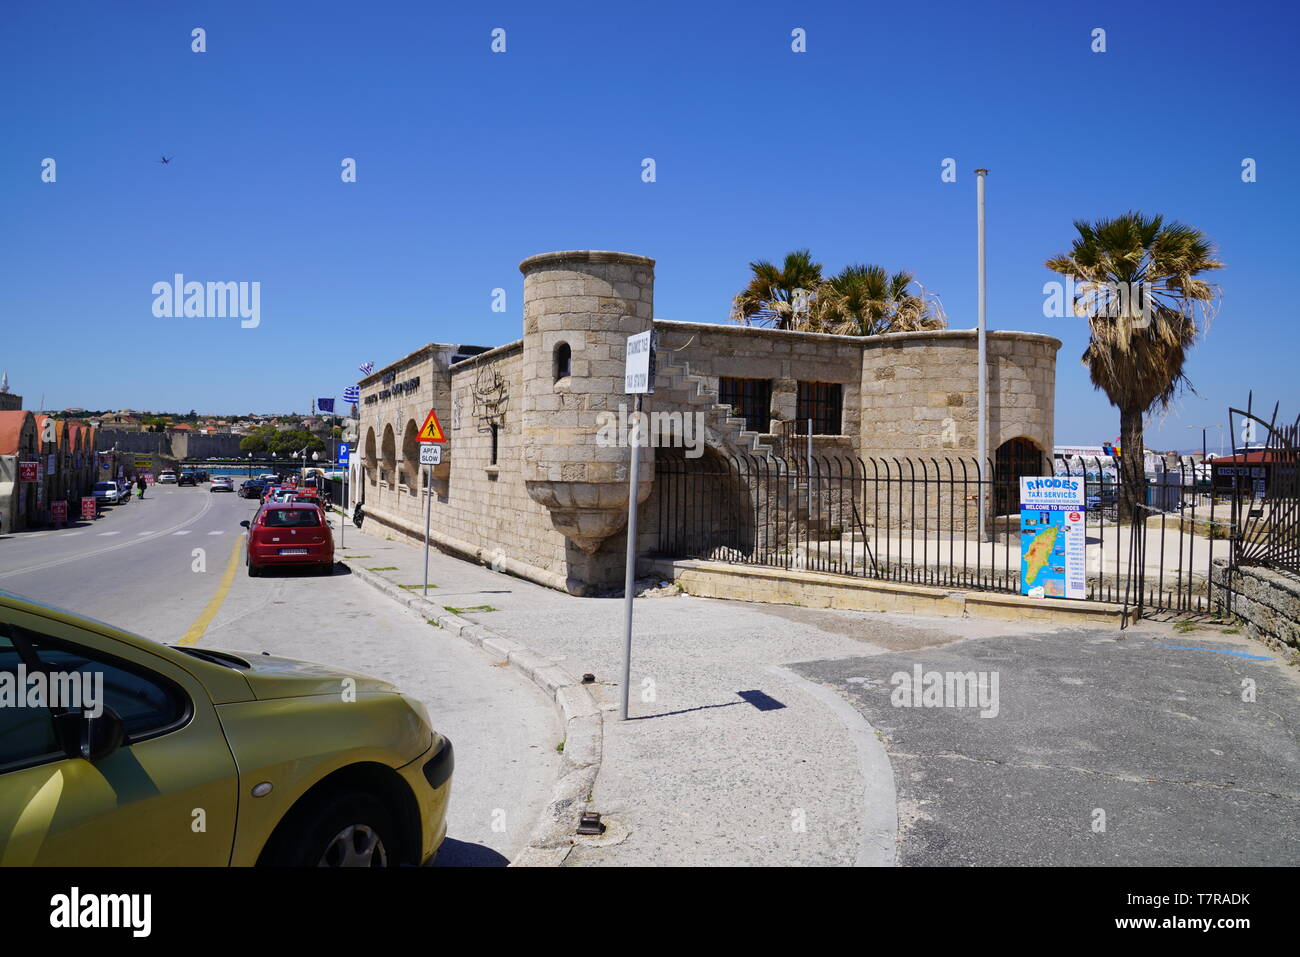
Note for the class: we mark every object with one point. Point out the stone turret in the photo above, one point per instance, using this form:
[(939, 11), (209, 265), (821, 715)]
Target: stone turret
[(579, 308)]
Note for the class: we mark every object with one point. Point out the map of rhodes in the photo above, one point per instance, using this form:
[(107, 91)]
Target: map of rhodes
[(1039, 554)]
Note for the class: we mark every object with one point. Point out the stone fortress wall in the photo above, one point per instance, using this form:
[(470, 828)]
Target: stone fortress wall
[(527, 486)]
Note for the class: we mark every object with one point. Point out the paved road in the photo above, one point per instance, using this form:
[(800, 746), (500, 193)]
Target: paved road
[(155, 566), (1146, 728)]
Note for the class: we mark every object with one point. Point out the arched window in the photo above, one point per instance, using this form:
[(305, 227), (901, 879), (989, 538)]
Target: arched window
[(410, 456), (563, 361), (369, 458), (388, 462)]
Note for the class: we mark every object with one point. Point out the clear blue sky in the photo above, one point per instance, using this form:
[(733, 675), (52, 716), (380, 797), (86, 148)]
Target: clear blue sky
[(468, 161)]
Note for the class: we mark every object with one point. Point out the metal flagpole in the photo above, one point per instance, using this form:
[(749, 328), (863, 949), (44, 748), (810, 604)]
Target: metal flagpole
[(982, 346), (629, 575)]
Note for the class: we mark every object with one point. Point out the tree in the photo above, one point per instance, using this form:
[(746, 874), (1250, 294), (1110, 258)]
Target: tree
[(293, 441), (770, 295), (865, 300), (1145, 306)]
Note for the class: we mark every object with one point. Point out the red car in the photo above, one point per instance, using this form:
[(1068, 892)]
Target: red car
[(289, 533)]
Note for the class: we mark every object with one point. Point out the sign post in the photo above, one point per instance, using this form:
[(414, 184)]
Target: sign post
[(638, 379), (430, 455), (342, 461), (1052, 539)]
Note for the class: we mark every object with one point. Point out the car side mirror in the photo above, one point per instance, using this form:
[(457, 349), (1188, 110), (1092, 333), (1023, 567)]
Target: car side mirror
[(245, 524), (91, 737)]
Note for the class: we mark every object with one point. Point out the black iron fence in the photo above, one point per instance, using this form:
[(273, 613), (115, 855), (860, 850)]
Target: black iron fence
[(938, 521)]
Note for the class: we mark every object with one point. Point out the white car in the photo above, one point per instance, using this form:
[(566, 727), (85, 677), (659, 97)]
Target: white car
[(111, 493), (223, 483), (167, 478)]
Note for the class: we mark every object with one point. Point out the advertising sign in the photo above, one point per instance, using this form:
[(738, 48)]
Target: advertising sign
[(1052, 541), (49, 464), (59, 512), (29, 471), (88, 508)]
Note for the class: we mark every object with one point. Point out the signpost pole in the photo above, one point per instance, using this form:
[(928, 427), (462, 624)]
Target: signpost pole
[(629, 574), (428, 514)]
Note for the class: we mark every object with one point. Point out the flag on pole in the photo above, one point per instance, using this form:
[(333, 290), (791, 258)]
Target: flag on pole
[(352, 394), (367, 368), (325, 405)]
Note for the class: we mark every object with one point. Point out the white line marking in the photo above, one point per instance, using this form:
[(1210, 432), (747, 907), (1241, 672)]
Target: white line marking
[(69, 534), (217, 532), (184, 531), (102, 534)]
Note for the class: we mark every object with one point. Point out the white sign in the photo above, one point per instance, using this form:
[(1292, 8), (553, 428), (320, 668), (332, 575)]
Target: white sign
[(639, 372), (1052, 537), (430, 454)]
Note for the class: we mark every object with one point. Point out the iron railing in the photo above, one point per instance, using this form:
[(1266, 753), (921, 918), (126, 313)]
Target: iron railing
[(916, 520)]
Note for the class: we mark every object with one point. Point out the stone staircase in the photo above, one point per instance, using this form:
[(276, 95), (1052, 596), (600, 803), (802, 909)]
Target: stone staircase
[(691, 391)]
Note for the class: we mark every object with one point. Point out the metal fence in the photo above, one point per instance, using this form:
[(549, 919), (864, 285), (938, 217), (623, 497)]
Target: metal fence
[(917, 520)]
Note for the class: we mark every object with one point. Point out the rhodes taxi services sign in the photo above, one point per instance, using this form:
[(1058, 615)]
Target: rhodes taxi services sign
[(1052, 538)]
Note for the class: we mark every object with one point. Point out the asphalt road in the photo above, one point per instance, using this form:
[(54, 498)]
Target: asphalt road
[(1107, 748), (155, 566)]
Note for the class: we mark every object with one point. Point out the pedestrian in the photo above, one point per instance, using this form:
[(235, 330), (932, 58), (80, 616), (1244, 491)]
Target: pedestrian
[(139, 484)]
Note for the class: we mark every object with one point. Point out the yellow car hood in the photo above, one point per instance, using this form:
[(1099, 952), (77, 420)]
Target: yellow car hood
[(270, 676)]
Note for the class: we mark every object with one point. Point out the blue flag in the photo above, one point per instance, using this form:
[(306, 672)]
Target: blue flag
[(325, 405)]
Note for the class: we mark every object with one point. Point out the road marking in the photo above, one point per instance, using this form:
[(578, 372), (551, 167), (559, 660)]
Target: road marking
[(219, 531), (102, 534), (184, 531), (69, 534), (201, 623), (142, 534)]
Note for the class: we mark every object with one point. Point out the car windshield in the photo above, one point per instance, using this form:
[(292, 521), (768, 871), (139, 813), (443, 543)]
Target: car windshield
[(291, 518), (105, 486)]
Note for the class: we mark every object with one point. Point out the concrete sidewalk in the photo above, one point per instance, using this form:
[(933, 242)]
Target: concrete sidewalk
[(729, 758)]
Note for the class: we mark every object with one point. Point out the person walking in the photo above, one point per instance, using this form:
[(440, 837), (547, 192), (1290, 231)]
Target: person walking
[(139, 485)]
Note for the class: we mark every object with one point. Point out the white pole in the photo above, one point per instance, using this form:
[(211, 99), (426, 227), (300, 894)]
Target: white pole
[(982, 345), (428, 513), (629, 574)]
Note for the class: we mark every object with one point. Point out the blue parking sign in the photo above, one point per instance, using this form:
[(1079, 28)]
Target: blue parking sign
[(343, 454)]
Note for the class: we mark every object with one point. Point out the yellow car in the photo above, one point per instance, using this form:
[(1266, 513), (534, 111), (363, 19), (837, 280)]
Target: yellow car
[(115, 749)]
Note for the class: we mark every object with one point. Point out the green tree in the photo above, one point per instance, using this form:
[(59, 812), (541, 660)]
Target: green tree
[(1145, 305), (769, 297), (866, 300)]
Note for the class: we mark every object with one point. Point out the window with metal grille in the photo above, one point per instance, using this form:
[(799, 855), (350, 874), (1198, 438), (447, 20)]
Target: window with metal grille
[(821, 402), (751, 398)]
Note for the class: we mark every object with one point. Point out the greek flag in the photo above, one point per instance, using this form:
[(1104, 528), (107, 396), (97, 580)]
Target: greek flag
[(352, 394), (367, 368)]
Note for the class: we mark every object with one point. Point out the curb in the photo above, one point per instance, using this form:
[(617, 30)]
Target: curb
[(580, 717)]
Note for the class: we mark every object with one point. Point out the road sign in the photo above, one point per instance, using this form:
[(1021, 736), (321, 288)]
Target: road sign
[(431, 431), (344, 450), (639, 370), (430, 454)]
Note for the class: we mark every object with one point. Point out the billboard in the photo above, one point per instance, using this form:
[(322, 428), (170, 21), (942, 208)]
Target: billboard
[(1052, 537)]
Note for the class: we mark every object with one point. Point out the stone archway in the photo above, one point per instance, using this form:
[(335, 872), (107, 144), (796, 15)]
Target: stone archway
[(411, 456), (388, 460), (369, 459), (1013, 459)]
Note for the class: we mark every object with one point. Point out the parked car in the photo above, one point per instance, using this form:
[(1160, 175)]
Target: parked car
[(111, 493), (286, 770), (223, 483), (187, 478), (289, 533), (167, 477)]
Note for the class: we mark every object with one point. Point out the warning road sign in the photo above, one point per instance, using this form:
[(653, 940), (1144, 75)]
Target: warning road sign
[(431, 431)]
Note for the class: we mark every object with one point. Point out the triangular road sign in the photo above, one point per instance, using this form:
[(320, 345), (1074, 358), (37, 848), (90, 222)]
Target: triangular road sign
[(431, 431)]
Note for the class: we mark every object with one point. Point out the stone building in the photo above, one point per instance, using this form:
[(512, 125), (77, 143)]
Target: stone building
[(529, 481)]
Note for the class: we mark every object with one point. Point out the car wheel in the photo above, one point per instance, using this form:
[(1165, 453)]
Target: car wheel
[(348, 830), (253, 570), (326, 570)]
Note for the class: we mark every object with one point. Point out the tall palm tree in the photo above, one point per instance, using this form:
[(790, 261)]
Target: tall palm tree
[(770, 295), (1138, 348), (865, 300)]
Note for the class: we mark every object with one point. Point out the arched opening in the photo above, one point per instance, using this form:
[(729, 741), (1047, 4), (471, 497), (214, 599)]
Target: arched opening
[(1013, 459), (563, 361), (369, 458), (723, 529), (388, 460), (411, 456)]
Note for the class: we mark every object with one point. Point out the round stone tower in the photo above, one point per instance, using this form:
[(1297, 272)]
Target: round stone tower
[(579, 308)]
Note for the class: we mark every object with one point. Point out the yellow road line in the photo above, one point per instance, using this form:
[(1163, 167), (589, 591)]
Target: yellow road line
[(201, 623)]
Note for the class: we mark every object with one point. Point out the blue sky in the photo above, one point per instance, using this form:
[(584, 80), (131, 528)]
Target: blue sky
[(469, 161)]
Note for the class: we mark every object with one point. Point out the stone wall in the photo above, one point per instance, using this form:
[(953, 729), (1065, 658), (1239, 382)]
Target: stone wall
[(1267, 601)]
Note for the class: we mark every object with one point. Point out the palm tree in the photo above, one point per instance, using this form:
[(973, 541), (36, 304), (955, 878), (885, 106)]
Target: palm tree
[(865, 300), (1137, 351), (770, 295)]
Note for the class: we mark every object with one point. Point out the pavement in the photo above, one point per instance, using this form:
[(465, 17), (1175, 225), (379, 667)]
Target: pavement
[(155, 566), (764, 734)]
